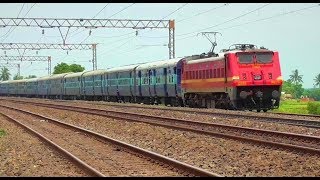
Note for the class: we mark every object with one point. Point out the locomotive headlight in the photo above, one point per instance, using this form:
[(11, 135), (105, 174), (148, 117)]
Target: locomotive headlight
[(235, 78), (279, 78), (275, 94)]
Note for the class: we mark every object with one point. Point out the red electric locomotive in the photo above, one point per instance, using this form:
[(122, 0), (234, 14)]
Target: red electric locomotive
[(241, 77)]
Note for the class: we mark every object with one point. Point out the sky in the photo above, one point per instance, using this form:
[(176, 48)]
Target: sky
[(292, 29)]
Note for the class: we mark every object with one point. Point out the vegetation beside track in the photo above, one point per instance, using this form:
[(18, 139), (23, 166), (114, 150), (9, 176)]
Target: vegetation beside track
[(298, 107), (2, 133)]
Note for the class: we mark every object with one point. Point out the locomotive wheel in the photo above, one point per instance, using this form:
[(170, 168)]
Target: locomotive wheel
[(258, 110), (265, 110)]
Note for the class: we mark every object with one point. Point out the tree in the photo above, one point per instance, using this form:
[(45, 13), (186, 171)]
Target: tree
[(295, 90), (65, 68), (5, 74), (31, 76), (295, 77), (76, 68), (317, 80), (17, 77)]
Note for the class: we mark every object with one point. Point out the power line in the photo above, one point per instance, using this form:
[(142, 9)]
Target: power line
[(107, 18), (257, 20), (120, 10), (232, 19), (227, 20), (175, 10), (7, 35), (92, 18), (17, 17), (277, 15), (117, 47), (101, 10), (171, 14), (198, 14)]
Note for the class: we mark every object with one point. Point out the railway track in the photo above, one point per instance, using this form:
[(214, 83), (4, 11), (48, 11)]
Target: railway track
[(283, 140), (282, 120), (87, 149)]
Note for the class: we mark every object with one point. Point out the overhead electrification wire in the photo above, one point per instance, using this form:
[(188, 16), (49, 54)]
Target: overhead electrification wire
[(262, 19), (179, 8), (232, 19), (92, 18), (109, 18), (8, 33), (17, 17), (198, 14)]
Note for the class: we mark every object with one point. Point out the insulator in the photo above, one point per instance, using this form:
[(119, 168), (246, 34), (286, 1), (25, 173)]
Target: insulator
[(5, 52), (90, 32), (42, 31), (137, 33)]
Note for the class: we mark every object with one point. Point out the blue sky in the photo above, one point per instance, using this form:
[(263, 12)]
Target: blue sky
[(290, 28)]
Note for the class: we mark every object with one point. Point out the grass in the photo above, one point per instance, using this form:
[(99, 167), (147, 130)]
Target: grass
[(2, 133), (292, 106)]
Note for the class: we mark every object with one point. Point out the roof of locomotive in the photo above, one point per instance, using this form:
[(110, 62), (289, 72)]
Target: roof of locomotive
[(206, 59), (221, 54), (94, 72), (123, 68), (159, 64)]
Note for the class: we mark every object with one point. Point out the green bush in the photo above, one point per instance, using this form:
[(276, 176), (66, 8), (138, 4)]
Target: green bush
[(314, 108), (2, 132)]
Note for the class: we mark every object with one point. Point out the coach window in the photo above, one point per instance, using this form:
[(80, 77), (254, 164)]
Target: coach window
[(211, 74), (215, 73), (222, 72), (218, 72)]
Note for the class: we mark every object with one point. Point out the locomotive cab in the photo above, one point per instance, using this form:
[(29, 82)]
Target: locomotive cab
[(256, 77)]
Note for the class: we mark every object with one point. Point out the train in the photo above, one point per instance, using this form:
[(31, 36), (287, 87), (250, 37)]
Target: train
[(242, 77)]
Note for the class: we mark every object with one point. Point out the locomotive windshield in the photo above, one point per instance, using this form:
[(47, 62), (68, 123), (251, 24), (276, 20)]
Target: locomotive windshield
[(264, 57), (245, 58)]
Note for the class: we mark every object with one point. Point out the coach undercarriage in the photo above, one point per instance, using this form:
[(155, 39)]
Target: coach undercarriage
[(219, 100)]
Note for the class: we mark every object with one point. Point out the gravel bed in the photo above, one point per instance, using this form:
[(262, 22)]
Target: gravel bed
[(23, 154), (105, 157), (183, 108), (222, 156), (198, 117)]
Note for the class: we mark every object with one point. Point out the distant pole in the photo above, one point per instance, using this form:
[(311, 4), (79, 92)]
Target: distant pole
[(18, 69), (94, 56), (49, 65)]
